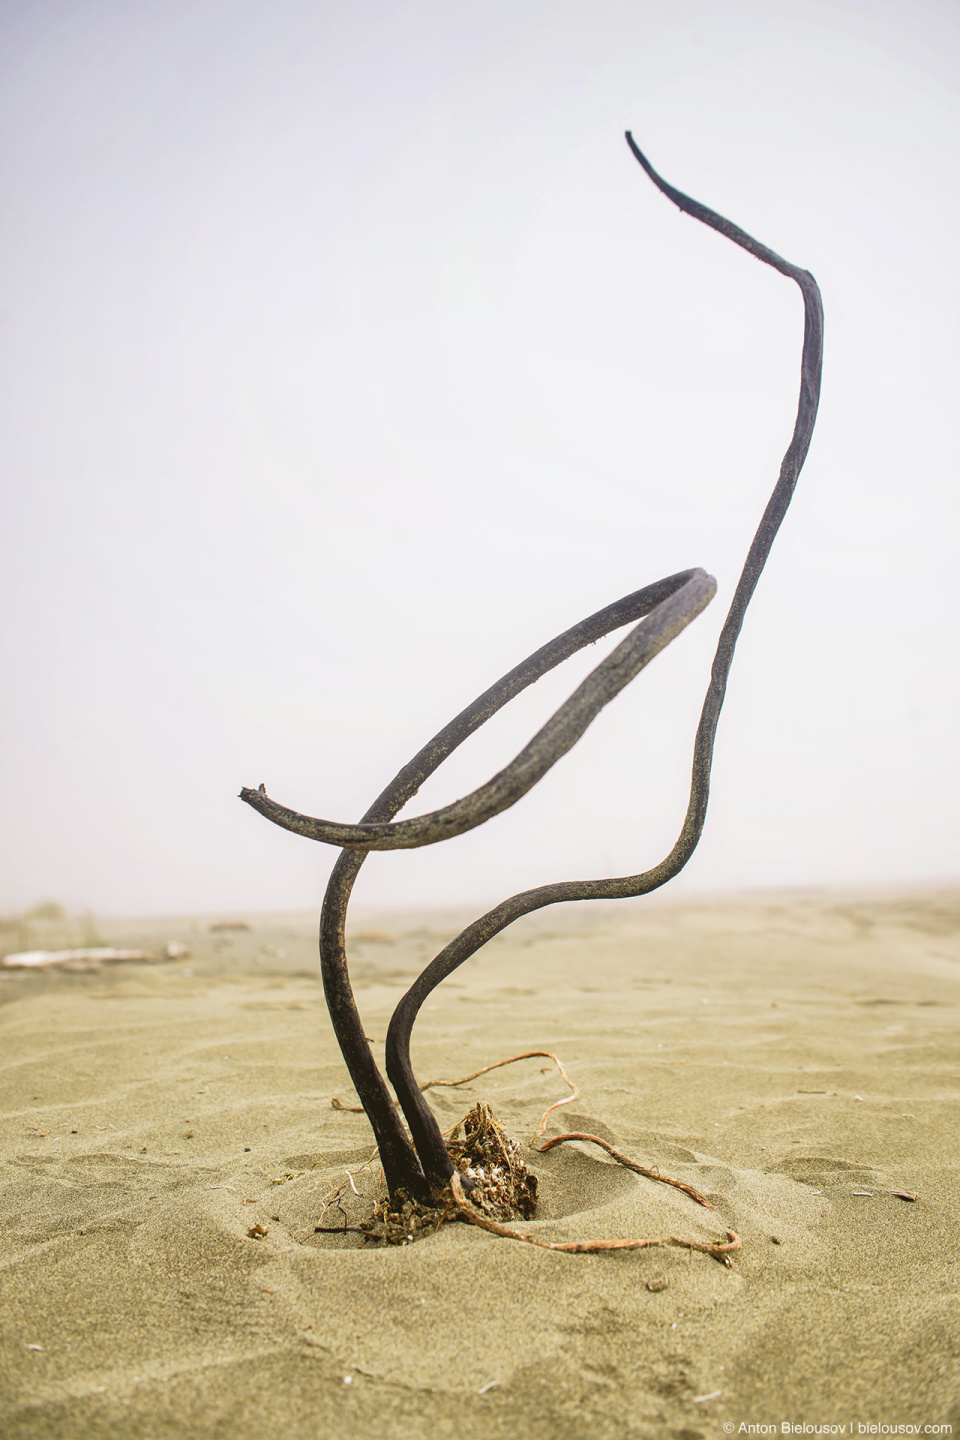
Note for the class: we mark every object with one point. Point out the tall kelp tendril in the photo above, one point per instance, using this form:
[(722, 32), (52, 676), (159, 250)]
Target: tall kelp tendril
[(419, 1164)]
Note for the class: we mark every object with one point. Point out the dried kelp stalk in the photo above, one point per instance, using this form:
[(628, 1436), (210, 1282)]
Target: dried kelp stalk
[(418, 1165)]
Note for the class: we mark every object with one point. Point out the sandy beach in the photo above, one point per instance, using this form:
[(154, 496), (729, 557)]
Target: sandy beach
[(793, 1057)]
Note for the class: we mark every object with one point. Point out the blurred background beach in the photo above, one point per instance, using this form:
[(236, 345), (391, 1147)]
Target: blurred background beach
[(350, 357)]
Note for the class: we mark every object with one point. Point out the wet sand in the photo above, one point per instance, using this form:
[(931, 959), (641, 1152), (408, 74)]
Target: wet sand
[(793, 1057)]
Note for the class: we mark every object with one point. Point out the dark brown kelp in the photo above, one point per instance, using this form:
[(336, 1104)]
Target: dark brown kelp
[(419, 1163)]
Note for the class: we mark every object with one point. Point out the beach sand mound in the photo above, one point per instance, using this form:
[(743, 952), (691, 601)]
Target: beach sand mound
[(170, 1147)]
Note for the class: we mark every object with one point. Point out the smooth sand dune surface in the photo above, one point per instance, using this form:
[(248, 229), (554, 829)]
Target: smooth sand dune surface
[(795, 1058)]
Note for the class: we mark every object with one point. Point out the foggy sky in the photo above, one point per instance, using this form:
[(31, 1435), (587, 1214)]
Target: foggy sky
[(349, 356)]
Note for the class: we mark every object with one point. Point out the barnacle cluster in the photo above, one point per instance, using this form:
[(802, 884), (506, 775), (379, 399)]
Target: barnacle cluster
[(503, 1187), (491, 1164), (398, 1220)]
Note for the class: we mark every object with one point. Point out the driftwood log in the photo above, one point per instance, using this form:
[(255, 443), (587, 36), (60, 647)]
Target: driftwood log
[(418, 1163)]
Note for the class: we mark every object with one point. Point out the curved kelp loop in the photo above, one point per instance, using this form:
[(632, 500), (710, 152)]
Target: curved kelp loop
[(561, 732), (663, 610)]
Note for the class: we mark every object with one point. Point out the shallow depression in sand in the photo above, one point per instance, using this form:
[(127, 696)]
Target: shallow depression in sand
[(571, 1181), (153, 1120)]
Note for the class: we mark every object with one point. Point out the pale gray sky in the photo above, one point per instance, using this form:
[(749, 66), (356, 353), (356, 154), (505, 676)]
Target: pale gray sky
[(349, 356)]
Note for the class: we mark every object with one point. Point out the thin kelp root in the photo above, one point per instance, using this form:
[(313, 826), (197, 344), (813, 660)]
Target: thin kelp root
[(336, 1104), (720, 1250), (416, 1162), (628, 1164)]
